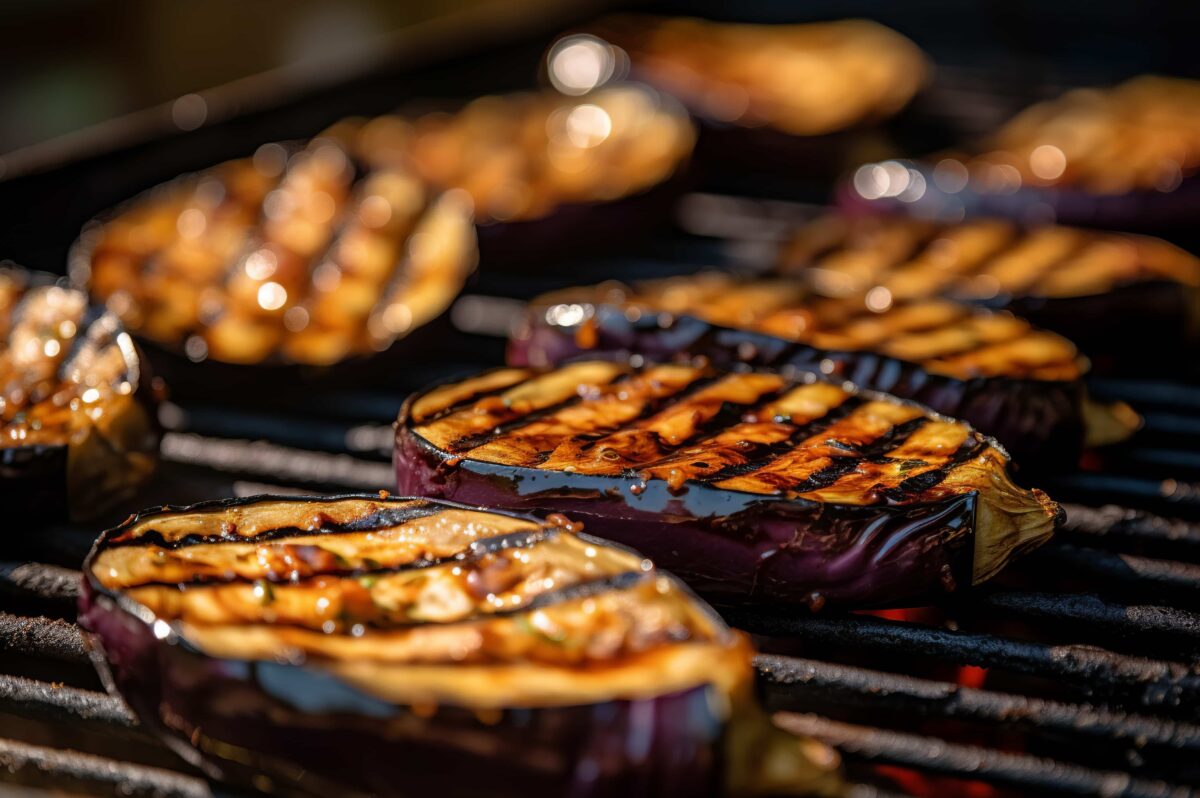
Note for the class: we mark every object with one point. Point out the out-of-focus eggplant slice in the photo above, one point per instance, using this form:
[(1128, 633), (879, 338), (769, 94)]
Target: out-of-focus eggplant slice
[(299, 255), (369, 645), (767, 94), (1124, 157), (1019, 384), (1123, 298), (78, 431), (547, 172), (750, 485)]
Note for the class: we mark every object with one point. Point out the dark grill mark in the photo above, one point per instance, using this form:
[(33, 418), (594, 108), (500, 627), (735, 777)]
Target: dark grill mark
[(876, 450), (465, 403), (972, 447), (587, 440), (477, 550), (766, 454), (465, 444), (381, 519)]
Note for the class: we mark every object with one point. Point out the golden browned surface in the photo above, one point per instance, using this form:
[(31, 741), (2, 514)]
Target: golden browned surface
[(756, 432), (293, 255), (943, 337), (521, 155), (1140, 135), (408, 601), (43, 401), (801, 79), (898, 260)]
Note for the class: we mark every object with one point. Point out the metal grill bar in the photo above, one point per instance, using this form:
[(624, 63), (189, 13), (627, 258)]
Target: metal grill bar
[(1131, 621), (1110, 522), (260, 458), (47, 582), (1150, 681), (792, 681), (42, 637), (98, 772), (1177, 582), (61, 703), (1166, 495), (963, 761)]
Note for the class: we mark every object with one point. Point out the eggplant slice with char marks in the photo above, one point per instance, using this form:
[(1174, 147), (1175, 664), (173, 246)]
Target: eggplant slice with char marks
[(375, 645), (76, 415), (802, 80), (1124, 157), (751, 485), (549, 174), (299, 255), (1125, 300), (1010, 380)]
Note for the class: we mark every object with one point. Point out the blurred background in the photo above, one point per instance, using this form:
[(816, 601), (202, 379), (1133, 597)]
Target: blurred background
[(71, 64)]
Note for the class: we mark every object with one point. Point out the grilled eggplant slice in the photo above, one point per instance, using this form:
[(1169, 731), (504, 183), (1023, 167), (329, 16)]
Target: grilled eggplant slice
[(749, 485), (296, 256), (1021, 385), (361, 644), (77, 408), (1124, 157), (1119, 297), (547, 173), (765, 94)]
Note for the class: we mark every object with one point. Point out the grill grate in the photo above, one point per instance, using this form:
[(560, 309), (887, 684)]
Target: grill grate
[(1090, 646), (1078, 673), (1120, 652)]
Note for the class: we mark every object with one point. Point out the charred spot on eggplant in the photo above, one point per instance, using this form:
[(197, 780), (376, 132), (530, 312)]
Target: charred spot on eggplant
[(1018, 383), (749, 485), (75, 415), (299, 255), (1117, 296), (379, 644)]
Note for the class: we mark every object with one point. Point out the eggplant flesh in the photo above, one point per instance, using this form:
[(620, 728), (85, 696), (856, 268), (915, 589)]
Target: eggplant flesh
[(372, 645), (1067, 280), (1021, 385), (562, 172), (750, 486), (298, 256), (76, 414), (717, 70)]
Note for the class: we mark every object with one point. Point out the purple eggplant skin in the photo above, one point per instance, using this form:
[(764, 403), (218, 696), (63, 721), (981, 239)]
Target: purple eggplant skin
[(1159, 321), (1039, 422), (592, 227), (1161, 212), (741, 547), (294, 730)]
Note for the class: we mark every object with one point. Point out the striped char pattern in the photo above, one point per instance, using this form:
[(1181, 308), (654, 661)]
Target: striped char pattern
[(981, 259), (301, 254), (60, 370), (753, 432), (943, 337), (400, 582)]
